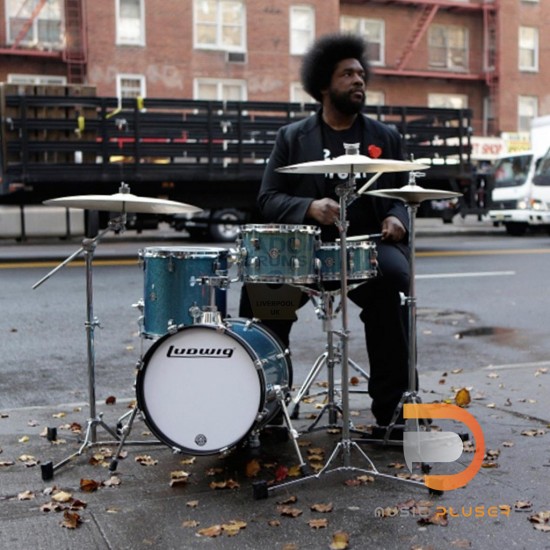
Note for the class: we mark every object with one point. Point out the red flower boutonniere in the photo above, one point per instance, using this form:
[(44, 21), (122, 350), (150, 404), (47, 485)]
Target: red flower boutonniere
[(374, 151)]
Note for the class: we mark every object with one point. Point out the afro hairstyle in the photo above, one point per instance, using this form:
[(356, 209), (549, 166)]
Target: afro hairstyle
[(325, 53)]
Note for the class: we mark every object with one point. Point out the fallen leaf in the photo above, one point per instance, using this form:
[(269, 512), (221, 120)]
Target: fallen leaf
[(233, 527), (540, 517), (340, 541), (523, 505), (192, 503), (281, 473), (62, 496), (462, 397), (190, 523), (288, 511), (274, 523), (24, 439), (323, 508), (436, 519), (26, 495), (533, 432), (318, 523), (188, 461), (71, 520), (178, 477), (89, 485), (111, 400), (113, 481), (146, 460), (59, 415), (212, 531), (51, 507), (229, 484), (252, 468)]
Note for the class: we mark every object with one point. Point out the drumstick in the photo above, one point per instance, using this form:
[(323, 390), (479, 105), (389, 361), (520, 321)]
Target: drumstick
[(362, 237)]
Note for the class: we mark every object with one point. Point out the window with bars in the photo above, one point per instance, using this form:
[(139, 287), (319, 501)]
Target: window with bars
[(130, 85)]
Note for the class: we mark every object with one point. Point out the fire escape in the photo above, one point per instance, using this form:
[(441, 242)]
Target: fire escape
[(74, 55)]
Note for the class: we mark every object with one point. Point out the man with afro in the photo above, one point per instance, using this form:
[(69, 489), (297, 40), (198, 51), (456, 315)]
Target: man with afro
[(335, 71)]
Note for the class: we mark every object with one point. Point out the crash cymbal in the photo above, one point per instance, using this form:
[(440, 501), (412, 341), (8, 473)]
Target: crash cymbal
[(124, 202), (413, 194), (351, 164)]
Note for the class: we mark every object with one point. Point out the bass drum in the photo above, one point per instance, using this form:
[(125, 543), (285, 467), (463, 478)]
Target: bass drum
[(203, 388)]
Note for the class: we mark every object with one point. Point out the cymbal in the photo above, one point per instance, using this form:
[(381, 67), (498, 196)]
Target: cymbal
[(351, 164), (413, 193), (124, 202)]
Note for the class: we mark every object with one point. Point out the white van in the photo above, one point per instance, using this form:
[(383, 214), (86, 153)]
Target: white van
[(540, 194), (512, 180)]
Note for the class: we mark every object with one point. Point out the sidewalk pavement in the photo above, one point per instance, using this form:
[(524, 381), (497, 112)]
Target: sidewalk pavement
[(144, 505), (157, 498)]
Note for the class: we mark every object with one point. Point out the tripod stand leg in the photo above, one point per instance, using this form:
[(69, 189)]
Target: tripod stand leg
[(125, 432)]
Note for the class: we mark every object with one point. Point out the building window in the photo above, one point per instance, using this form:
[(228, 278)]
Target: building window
[(130, 85), (220, 24), (299, 95), (44, 29), (448, 47), (527, 110), (302, 29), (447, 101), (33, 79), (373, 30), (528, 49), (213, 89), (130, 22), (375, 98)]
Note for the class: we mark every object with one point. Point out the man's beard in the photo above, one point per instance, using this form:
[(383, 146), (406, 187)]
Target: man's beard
[(344, 103)]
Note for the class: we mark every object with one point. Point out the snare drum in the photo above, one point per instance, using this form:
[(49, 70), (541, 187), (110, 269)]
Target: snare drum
[(172, 289), (361, 261), (203, 388), (275, 253)]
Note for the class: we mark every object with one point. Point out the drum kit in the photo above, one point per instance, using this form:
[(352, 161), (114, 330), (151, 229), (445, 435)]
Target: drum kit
[(184, 312)]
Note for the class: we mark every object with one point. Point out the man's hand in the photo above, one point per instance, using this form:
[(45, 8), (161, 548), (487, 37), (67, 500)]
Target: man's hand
[(326, 211), (393, 230)]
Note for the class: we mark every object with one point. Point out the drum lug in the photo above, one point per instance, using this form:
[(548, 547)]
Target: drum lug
[(296, 264), (255, 263), (255, 242)]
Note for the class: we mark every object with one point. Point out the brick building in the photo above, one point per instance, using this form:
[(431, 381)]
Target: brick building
[(487, 55)]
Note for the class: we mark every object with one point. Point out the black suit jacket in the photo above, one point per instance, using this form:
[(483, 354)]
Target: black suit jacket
[(285, 198)]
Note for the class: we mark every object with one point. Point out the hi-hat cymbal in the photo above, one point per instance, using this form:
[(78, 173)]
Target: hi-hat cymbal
[(413, 194), (124, 202), (352, 164)]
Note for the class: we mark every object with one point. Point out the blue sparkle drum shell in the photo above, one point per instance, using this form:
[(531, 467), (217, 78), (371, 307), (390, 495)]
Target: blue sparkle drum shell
[(279, 253), (172, 284), (361, 261), (204, 388)]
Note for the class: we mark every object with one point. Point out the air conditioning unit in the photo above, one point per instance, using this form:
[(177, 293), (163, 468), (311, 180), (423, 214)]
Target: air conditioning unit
[(235, 57)]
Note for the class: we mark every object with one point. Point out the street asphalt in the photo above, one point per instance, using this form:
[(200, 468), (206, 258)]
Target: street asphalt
[(350, 493)]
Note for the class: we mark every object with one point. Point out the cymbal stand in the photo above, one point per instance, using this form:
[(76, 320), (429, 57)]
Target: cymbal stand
[(95, 419), (411, 394), (326, 312), (346, 194)]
